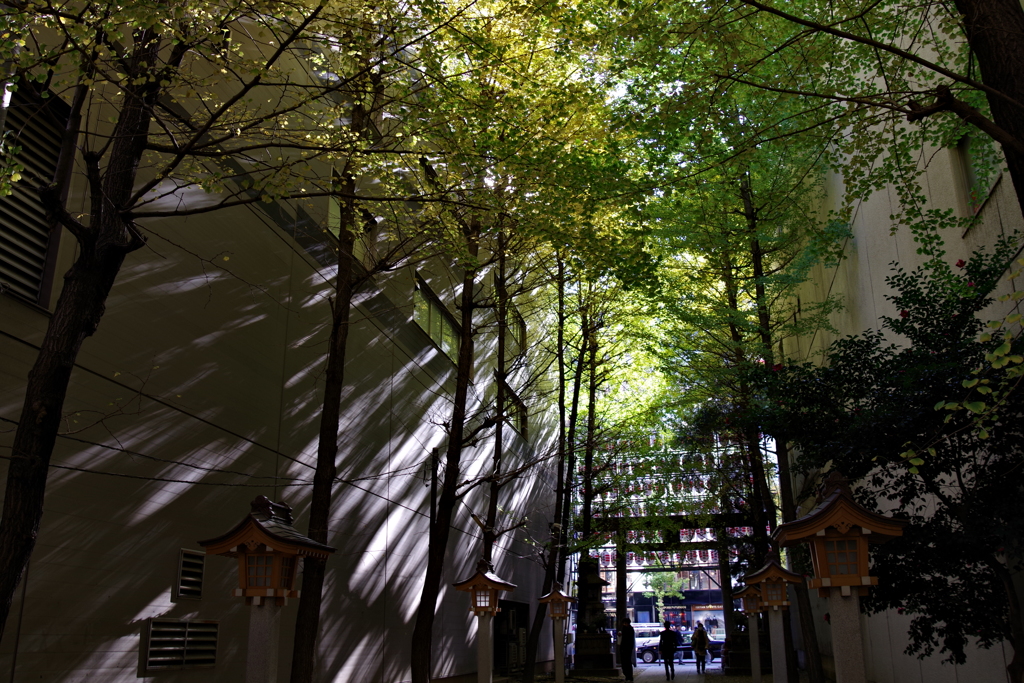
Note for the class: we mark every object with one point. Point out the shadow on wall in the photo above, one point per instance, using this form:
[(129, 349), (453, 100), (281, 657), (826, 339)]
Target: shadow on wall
[(204, 392)]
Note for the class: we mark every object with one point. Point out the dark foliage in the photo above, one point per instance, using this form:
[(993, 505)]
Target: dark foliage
[(892, 416)]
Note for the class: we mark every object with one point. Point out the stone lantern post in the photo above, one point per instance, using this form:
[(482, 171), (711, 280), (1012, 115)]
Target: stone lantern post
[(268, 549), (773, 581), (839, 531), (593, 642), (483, 588), (558, 610), (751, 597)]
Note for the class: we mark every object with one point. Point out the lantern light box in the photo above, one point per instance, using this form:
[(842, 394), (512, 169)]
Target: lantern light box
[(267, 547), (838, 531)]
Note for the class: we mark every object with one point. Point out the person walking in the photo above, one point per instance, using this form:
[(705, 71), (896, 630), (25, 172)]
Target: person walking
[(700, 641), (627, 648), (667, 643)]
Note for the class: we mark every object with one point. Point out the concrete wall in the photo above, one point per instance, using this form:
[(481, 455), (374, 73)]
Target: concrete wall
[(859, 281), (194, 368)]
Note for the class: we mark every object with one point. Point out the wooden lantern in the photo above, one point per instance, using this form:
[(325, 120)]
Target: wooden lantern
[(484, 587), (772, 581), (839, 530), (557, 602), (267, 547), (751, 597)]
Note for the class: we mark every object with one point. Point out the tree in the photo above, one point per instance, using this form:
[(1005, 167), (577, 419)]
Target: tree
[(850, 75), (895, 55), (664, 585), (736, 245), (916, 421)]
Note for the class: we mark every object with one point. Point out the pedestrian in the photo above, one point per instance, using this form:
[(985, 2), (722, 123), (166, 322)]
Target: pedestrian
[(667, 642), (699, 640), (627, 648)]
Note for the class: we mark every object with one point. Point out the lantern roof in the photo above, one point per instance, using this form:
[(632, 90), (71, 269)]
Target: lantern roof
[(269, 524), (772, 571), (589, 574), (556, 595), (836, 508), (484, 576), (748, 591)]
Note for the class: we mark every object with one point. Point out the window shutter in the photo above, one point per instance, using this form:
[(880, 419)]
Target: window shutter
[(181, 644), (190, 574), (24, 232)]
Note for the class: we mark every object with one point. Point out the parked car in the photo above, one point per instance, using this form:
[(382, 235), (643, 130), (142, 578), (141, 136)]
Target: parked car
[(647, 635), (649, 652)]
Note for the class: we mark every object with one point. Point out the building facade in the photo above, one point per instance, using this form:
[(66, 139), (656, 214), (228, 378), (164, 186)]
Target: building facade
[(202, 389)]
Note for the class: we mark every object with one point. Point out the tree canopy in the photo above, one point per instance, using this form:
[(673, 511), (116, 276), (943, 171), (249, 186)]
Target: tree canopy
[(670, 158)]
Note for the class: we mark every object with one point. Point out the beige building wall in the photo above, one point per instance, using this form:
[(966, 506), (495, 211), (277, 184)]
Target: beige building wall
[(859, 281)]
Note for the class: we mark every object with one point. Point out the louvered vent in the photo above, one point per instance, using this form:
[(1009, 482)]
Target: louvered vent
[(181, 644), (24, 233), (190, 575)]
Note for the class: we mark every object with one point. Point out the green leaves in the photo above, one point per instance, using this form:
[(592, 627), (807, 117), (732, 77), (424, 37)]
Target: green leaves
[(936, 432)]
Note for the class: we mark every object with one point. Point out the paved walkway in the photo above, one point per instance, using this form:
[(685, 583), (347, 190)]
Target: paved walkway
[(654, 673), (687, 673)]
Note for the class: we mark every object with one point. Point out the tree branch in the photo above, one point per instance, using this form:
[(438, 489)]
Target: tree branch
[(946, 101), (909, 56)]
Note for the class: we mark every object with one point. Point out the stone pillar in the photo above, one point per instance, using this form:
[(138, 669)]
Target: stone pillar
[(755, 648), (261, 657), (558, 631), (484, 648), (593, 642), (847, 643), (780, 671)]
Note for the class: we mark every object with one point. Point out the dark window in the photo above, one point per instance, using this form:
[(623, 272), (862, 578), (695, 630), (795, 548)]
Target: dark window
[(515, 412), (515, 341), (431, 315)]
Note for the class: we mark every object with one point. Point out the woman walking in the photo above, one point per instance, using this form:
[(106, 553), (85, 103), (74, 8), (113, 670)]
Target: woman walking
[(700, 647)]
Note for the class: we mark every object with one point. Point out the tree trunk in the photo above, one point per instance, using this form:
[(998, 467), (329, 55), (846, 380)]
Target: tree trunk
[(103, 246), (78, 312), (570, 440), (1015, 668), (583, 589), (590, 445), (749, 446), (994, 29), (554, 553), (816, 672), (725, 579), (422, 635), (307, 625), (491, 523)]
